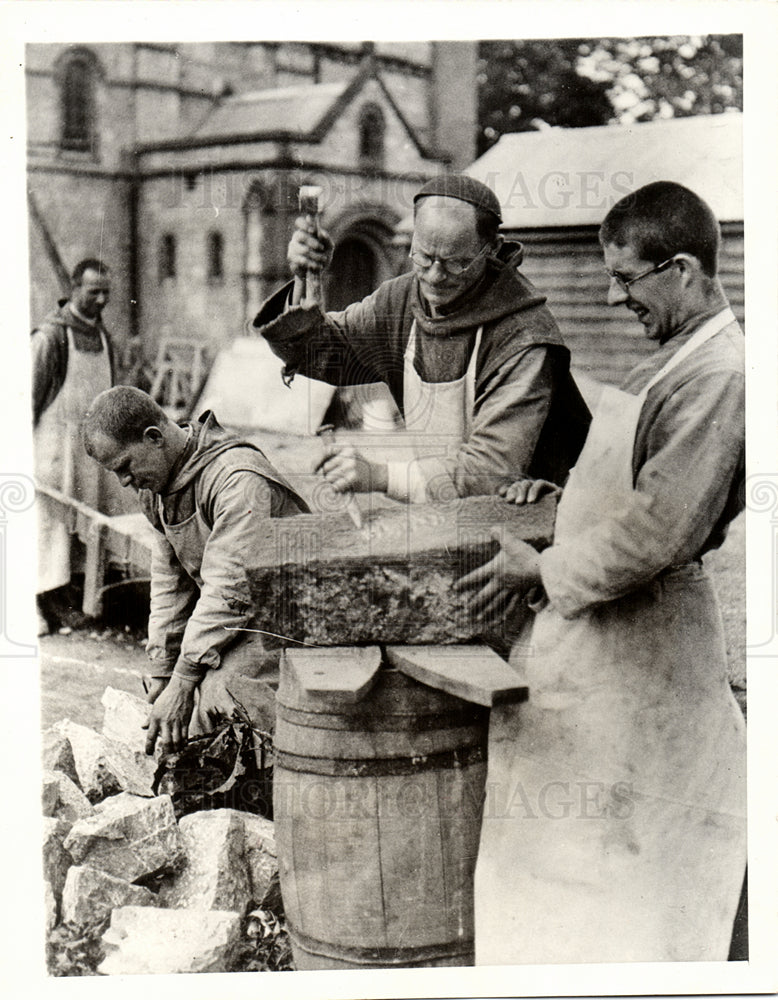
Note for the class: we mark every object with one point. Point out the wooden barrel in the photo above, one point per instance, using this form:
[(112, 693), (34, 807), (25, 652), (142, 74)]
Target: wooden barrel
[(377, 810)]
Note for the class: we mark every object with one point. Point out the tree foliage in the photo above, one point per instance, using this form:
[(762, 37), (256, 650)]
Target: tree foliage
[(594, 81)]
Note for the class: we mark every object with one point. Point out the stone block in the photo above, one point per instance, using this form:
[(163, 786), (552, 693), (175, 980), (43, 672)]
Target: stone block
[(90, 894), (106, 767), (124, 717), (260, 847), (56, 857), (321, 580), (128, 836), (63, 799), (216, 874), (58, 754), (144, 940)]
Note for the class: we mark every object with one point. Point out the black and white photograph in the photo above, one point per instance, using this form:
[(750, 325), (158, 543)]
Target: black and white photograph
[(389, 506)]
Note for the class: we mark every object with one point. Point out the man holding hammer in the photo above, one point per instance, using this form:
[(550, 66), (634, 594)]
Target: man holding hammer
[(466, 345)]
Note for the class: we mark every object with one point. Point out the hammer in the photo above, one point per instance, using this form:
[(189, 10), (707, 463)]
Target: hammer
[(310, 206)]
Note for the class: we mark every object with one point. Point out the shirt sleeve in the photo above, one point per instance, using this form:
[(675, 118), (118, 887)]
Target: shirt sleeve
[(46, 360), (507, 420), (224, 603), (694, 455), (333, 347), (173, 596)]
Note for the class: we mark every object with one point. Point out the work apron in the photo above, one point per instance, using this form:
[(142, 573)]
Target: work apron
[(250, 654), (60, 459), (614, 826), (441, 414)]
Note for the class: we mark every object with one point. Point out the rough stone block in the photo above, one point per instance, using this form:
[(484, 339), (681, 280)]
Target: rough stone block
[(56, 857), (90, 894), (144, 940), (260, 847), (106, 767), (216, 874), (63, 799), (58, 754), (124, 718), (321, 580), (49, 907), (128, 836)]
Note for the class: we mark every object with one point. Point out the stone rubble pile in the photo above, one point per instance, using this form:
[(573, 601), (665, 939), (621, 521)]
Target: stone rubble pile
[(177, 891)]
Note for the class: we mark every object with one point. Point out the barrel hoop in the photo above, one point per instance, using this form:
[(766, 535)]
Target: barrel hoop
[(400, 957), (349, 768), (385, 722)]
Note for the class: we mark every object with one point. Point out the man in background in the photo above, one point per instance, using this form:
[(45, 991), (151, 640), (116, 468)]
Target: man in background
[(72, 361)]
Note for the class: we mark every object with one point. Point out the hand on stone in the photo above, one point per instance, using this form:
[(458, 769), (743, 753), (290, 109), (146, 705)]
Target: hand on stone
[(308, 251), (170, 716), (496, 584), (348, 471), (529, 490)]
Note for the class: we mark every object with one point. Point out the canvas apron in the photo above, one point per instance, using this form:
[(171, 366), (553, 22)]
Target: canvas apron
[(251, 654), (614, 826), (441, 413), (60, 459)]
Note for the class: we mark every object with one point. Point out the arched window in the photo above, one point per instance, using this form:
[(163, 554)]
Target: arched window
[(167, 257), (77, 76), (215, 256), (372, 127)]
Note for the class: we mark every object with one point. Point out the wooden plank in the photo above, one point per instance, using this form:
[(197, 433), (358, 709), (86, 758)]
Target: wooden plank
[(346, 671), (474, 673)]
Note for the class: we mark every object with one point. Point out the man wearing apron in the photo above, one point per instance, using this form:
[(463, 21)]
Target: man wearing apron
[(71, 363), (206, 493), (614, 825), (465, 343)]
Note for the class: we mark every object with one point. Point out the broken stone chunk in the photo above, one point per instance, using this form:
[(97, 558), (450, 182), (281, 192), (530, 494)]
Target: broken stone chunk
[(58, 753), (106, 767), (144, 940), (63, 799), (128, 836), (90, 894), (56, 857), (49, 907), (260, 847), (124, 718), (216, 875)]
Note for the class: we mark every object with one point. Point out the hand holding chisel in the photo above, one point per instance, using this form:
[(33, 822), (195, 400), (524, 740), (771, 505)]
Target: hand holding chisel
[(327, 433)]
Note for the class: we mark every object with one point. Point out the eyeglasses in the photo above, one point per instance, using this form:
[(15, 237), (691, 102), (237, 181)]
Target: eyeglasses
[(624, 283), (452, 266)]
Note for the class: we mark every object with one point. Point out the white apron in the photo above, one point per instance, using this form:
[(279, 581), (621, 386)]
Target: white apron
[(441, 414), (60, 459), (614, 826)]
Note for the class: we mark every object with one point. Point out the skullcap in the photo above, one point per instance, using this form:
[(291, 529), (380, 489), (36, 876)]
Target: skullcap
[(463, 188)]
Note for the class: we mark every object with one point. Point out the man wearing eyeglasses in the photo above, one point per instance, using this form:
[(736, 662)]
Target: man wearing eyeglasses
[(630, 845), (464, 342)]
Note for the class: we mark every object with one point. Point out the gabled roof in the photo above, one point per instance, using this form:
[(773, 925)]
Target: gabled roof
[(288, 109), (571, 176), (304, 114)]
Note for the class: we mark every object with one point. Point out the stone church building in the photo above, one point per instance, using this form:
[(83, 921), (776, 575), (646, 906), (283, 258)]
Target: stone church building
[(179, 165)]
